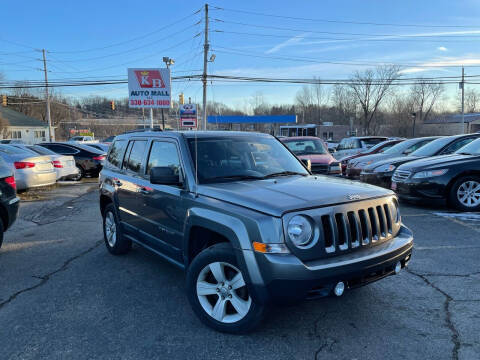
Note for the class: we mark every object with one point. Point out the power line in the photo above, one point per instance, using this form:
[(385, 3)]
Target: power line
[(450, 35), (344, 21), (329, 39), (132, 39), (129, 50), (334, 62)]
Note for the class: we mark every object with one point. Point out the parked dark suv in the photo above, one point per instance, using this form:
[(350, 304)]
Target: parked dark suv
[(252, 226)]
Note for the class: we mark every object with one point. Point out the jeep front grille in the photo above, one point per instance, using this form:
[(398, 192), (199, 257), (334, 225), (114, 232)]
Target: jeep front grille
[(353, 229), (400, 175), (349, 227)]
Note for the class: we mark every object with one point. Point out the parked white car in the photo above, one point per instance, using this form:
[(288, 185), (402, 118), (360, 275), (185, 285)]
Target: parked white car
[(30, 169), (83, 140), (64, 165), (354, 145)]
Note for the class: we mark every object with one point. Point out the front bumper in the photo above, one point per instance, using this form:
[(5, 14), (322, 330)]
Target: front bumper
[(353, 173), (383, 179), (287, 279), (421, 189)]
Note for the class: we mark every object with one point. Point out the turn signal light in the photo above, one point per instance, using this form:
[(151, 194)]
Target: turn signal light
[(270, 248), (23, 164)]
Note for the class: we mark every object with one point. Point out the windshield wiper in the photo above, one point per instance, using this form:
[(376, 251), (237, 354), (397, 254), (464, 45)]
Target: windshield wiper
[(283, 173), (234, 178), (463, 153)]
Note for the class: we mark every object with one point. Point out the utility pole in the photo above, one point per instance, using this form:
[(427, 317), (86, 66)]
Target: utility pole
[(463, 100), (47, 97), (205, 63), (143, 117), (151, 118)]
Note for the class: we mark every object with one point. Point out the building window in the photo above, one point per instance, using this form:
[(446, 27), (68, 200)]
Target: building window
[(40, 133), (16, 134)]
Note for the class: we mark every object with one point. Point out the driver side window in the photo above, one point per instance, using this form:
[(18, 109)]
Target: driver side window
[(163, 154)]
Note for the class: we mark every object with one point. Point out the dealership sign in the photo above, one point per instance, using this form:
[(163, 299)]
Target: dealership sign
[(149, 88), (188, 115)]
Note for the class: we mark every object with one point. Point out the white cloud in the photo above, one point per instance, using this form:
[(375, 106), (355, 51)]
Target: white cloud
[(442, 48), (292, 41)]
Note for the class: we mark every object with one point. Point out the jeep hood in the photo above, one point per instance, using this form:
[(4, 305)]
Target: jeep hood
[(284, 194)]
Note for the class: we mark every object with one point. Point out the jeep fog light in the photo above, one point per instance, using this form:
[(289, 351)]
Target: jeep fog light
[(398, 267), (299, 231), (339, 288)]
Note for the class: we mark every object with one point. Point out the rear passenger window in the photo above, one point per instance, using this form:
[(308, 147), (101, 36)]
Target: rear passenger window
[(164, 154), (134, 161), (115, 156)]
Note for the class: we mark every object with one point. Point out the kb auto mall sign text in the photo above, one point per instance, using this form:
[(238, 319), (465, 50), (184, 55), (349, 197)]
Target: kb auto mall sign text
[(149, 88)]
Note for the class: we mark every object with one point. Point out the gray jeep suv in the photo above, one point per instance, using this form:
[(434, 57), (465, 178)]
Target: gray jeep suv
[(247, 221)]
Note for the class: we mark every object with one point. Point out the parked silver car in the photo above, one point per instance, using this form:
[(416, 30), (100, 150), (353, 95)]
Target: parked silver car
[(64, 165), (29, 170)]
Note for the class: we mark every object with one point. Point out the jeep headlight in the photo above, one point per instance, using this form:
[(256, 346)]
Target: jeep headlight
[(429, 173), (300, 231), (385, 168)]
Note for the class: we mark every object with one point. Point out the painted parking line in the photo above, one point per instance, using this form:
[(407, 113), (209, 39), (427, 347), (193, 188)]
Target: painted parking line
[(467, 216)]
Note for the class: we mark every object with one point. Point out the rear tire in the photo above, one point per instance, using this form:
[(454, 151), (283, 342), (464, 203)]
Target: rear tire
[(115, 242), (218, 294), (465, 194), (80, 175)]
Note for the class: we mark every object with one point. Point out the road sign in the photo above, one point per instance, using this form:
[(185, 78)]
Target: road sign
[(149, 88), (188, 115)]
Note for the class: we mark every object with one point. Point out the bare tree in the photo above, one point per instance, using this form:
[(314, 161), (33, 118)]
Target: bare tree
[(370, 88), (343, 101), (425, 95), (304, 101), (472, 101), (399, 117)]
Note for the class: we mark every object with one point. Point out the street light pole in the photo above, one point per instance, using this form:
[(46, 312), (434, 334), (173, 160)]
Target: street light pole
[(168, 61)]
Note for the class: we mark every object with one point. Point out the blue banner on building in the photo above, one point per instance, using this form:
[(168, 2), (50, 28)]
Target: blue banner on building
[(255, 119)]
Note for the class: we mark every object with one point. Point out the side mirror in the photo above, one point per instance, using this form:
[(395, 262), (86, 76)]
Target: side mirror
[(332, 150), (164, 175), (307, 163)]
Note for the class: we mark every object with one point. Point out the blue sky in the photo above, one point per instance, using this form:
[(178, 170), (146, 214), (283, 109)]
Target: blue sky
[(100, 39)]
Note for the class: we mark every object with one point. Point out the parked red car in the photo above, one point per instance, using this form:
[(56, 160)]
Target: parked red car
[(315, 150), (381, 147)]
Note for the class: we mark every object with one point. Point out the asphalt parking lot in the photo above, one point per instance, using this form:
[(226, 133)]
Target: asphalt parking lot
[(62, 295)]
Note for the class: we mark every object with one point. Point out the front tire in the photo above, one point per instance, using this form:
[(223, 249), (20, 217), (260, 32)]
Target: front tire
[(218, 293), (465, 194), (115, 242)]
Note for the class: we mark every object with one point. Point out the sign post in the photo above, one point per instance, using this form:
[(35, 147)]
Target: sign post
[(149, 88), (188, 115)]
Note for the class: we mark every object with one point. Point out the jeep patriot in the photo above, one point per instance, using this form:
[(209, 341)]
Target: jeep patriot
[(246, 221)]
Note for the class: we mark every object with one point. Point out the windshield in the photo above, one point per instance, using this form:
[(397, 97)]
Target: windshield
[(88, 148), (41, 150), (401, 147), (12, 150), (432, 147), (472, 148), (368, 143), (223, 159), (306, 147)]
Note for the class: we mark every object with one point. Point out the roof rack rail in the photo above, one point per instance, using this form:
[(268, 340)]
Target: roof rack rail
[(142, 130)]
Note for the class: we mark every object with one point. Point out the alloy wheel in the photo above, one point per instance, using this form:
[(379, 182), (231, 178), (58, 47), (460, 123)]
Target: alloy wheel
[(110, 229), (468, 193), (222, 292)]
